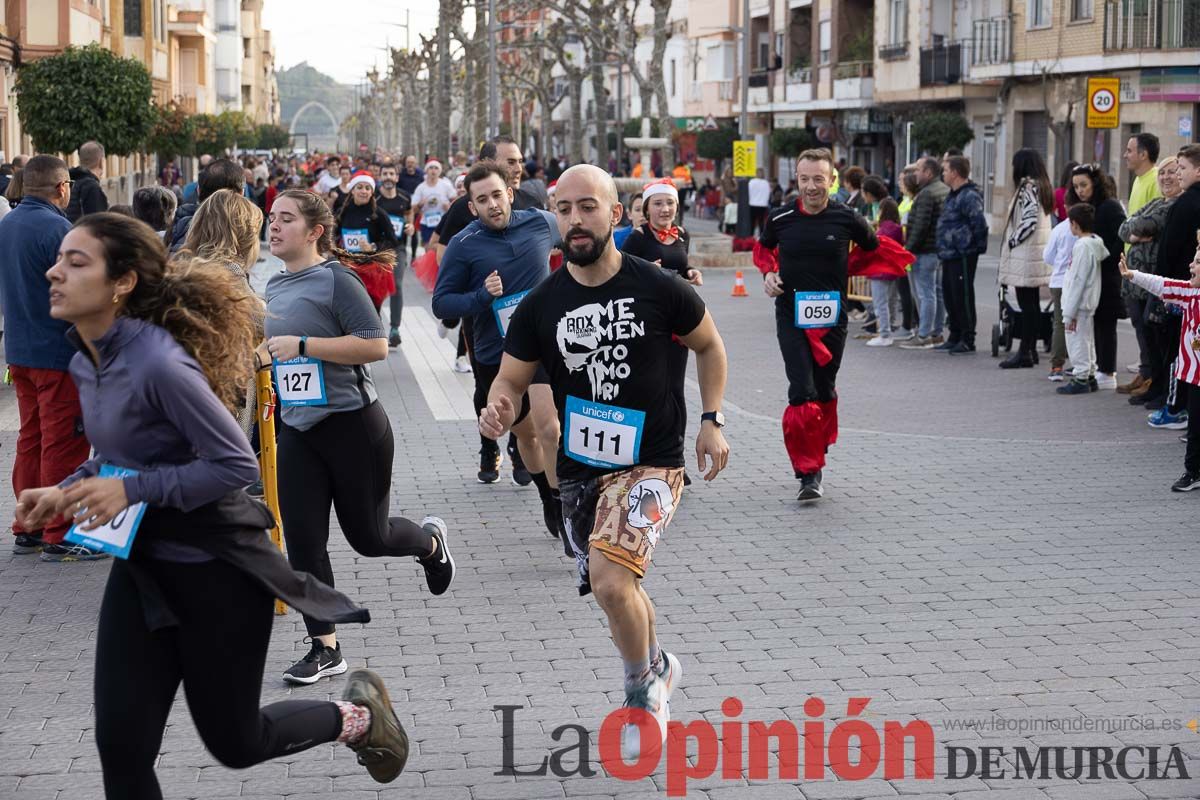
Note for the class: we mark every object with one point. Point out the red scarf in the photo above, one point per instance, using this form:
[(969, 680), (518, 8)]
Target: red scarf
[(663, 235)]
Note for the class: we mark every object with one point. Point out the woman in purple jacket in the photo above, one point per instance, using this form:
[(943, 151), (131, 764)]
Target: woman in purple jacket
[(163, 355)]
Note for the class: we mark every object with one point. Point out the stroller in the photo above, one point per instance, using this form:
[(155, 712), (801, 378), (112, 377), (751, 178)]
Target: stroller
[(1010, 321)]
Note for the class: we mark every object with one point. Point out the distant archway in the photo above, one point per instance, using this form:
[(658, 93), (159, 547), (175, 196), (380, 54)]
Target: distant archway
[(313, 104)]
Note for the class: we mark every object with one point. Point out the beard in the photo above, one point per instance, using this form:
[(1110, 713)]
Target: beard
[(496, 224), (388, 184), (591, 252)]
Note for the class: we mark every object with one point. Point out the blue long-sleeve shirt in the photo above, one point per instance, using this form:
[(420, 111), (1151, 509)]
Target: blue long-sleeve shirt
[(520, 253), (30, 236)]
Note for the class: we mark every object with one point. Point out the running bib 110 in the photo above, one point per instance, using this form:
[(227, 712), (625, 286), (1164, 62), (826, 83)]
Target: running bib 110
[(397, 225), (504, 307), (353, 239), (115, 536), (817, 309), (301, 382), (603, 436)]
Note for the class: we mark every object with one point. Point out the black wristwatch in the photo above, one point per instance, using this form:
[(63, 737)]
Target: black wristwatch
[(303, 342), (715, 417)]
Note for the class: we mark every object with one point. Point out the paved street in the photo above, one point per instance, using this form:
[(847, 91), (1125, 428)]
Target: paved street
[(988, 551)]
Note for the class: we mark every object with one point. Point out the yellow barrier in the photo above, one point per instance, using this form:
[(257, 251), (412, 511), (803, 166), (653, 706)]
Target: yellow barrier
[(266, 458), (859, 289)]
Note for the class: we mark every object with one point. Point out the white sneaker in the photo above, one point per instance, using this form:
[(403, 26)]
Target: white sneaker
[(462, 364), (1106, 380), (857, 316), (672, 673), (1134, 368), (442, 331), (653, 698), (880, 341)]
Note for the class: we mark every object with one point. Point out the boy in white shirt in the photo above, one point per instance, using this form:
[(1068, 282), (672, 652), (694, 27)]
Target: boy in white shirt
[(1058, 255)]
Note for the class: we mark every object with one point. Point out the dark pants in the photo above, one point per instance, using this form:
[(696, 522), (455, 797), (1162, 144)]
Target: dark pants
[(1136, 307), (1105, 336), (1163, 338), (51, 444), (907, 306), (1191, 461), (958, 286), (397, 300), (345, 460), (807, 381), (218, 651), (758, 218), (1028, 299)]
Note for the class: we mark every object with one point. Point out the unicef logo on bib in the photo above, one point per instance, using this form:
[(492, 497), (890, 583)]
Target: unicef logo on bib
[(817, 309), (604, 436)]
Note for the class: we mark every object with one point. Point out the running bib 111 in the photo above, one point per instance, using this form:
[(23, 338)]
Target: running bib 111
[(353, 239), (817, 309), (504, 307), (301, 382), (115, 536), (603, 436)]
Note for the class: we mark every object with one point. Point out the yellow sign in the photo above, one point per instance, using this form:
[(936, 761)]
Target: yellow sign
[(1104, 102), (745, 158)]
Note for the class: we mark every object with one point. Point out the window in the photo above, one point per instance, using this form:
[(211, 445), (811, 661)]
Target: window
[(826, 40), (246, 98), (1035, 130), (1037, 14), (673, 76), (898, 22), (246, 47), (133, 17), (1081, 10), (718, 64)]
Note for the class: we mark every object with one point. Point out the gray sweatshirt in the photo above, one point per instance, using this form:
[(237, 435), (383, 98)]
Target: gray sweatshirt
[(1081, 287)]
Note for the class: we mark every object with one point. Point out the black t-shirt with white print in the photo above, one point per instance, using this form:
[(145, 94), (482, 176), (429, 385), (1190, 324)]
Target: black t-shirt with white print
[(607, 350)]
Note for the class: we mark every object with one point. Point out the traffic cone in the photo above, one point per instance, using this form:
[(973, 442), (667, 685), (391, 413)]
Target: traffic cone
[(739, 285)]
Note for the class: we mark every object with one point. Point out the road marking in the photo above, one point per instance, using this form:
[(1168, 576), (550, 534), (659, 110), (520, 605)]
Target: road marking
[(449, 395)]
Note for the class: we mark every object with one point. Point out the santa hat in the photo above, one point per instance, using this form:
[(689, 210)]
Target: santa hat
[(551, 187), (665, 186), (460, 180), (433, 162), (361, 176)]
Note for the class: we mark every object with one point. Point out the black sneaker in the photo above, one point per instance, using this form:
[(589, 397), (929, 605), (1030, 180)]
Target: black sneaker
[(1186, 483), (946, 345), (489, 465), (256, 489), (65, 552), (384, 750), (26, 543), (810, 488), (1093, 384), (321, 662), (1074, 387), (520, 475), (962, 348), (552, 514), (439, 567), (394, 338)]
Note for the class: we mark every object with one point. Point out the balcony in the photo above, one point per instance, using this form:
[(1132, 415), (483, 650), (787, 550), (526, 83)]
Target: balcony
[(894, 52), (1151, 24), (854, 80), (943, 65), (991, 41), (725, 90)]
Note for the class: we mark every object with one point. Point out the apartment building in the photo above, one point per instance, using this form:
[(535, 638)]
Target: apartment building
[(259, 92), (192, 52)]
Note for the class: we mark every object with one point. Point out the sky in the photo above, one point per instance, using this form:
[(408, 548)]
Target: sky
[(343, 38)]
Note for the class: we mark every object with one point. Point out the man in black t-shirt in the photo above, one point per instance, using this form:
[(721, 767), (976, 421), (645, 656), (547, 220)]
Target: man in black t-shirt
[(802, 254), (397, 204), (602, 329)]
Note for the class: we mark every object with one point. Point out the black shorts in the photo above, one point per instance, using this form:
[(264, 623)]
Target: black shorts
[(486, 373)]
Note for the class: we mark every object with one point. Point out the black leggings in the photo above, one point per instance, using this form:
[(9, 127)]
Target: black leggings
[(807, 381), (345, 460), (1028, 299), (396, 303), (218, 651), (1104, 334)]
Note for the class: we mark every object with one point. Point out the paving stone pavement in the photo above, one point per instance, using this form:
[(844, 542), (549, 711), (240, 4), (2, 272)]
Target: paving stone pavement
[(988, 552)]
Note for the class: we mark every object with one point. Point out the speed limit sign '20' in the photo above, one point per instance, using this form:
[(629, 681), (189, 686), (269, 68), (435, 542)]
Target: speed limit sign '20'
[(1104, 102)]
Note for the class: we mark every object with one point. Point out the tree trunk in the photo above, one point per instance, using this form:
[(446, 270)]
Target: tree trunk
[(662, 30), (575, 136), (441, 80), (600, 100)]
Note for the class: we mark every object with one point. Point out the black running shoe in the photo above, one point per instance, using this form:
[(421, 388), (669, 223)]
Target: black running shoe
[(384, 750), (394, 338), (552, 514), (489, 465), (439, 567), (520, 475), (65, 552), (26, 543), (1186, 483), (321, 662), (810, 488)]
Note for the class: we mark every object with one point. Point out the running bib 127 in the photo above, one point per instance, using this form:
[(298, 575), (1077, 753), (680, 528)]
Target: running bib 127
[(301, 382), (115, 536), (603, 436), (504, 307), (353, 239), (817, 309)]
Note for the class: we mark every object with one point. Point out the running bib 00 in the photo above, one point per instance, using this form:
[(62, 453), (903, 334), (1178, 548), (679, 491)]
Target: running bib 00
[(603, 436), (817, 309), (301, 382), (115, 536), (397, 225), (353, 239), (504, 307)]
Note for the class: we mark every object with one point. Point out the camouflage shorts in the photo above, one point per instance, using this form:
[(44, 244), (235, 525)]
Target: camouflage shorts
[(621, 515)]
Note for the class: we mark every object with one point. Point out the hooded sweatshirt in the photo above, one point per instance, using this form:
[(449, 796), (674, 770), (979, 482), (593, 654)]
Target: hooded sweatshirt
[(1081, 288)]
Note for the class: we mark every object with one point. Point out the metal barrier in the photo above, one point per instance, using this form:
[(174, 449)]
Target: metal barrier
[(859, 289), (266, 458)]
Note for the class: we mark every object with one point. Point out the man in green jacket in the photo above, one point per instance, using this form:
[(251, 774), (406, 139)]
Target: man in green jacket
[(921, 240)]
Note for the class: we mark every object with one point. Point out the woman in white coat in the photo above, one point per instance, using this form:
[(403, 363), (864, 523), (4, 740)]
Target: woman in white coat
[(1025, 235)]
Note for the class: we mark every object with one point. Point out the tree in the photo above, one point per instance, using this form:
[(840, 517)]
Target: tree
[(716, 144), (273, 137), (173, 132), (939, 131), (82, 94), (217, 133), (791, 142)]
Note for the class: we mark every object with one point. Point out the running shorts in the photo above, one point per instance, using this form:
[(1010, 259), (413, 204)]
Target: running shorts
[(621, 515)]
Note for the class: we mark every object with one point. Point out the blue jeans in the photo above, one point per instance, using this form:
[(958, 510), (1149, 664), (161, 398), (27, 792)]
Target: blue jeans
[(927, 281), (881, 296)]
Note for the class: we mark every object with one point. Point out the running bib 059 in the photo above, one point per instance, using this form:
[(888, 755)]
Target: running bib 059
[(353, 239), (115, 536), (603, 436), (301, 382), (504, 307), (817, 309), (397, 225)]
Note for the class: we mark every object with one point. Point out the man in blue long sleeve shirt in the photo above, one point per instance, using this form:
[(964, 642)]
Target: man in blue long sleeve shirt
[(51, 443), (486, 270)]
